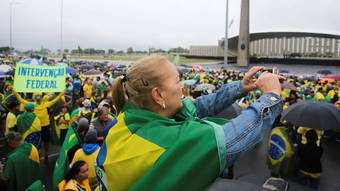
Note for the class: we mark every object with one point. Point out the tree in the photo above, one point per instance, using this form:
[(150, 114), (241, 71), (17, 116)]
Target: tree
[(178, 50), (66, 50), (120, 52), (129, 50), (6, 49), (111, 51)]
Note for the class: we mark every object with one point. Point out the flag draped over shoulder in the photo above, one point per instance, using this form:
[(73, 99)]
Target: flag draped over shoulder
[(29, 127), (22, 167), (146, 151), (70, 141)]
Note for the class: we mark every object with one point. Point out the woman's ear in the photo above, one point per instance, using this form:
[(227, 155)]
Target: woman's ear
[(156, 96)]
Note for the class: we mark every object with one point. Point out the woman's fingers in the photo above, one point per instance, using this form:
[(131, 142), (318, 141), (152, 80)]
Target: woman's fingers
[(253, 71)]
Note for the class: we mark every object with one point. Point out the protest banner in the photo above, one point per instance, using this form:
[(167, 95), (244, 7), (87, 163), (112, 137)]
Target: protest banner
[(36, 78)]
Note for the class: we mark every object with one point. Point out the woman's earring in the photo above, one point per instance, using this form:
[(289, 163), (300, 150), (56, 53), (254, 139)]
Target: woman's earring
[(163, 105)]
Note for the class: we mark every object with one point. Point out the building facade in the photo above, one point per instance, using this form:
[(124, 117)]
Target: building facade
[(279, 44)]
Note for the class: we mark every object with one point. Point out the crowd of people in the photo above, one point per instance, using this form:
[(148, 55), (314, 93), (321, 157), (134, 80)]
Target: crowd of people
[(126, 120)]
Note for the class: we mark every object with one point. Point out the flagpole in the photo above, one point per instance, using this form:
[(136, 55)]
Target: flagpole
[(61, 27), (226, 38)]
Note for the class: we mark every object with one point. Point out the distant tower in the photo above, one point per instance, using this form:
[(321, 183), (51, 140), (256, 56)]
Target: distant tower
[(243, 38)]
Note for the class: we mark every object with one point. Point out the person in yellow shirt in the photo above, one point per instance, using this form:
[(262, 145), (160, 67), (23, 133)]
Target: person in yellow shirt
[(11, 119), (76, 179), (88, 88), (88, 153), (43, 104), (303, 130), (62, 123)]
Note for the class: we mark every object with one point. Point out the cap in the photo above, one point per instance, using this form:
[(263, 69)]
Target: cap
[(87, 103), (30, 106)]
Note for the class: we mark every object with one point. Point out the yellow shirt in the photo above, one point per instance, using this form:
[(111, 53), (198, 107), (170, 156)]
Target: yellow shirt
[(11, 121), (331, 94), (319, 96), (41, 109), (62, 121), (89, 159), (73, 185), (87, 91), (303, 131)]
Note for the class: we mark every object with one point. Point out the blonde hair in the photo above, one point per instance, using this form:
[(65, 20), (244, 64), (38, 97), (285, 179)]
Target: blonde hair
[(140, 79)]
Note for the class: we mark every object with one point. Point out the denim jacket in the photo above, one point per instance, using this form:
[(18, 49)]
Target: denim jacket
[(245, 131)]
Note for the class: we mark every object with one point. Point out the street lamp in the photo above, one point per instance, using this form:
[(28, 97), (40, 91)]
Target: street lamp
[(11, 22), (61, 27), (226, 38)]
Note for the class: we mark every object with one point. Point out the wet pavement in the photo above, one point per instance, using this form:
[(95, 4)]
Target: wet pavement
[(252, 169)]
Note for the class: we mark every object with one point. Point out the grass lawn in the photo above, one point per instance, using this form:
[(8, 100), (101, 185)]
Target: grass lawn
[(183, 60)]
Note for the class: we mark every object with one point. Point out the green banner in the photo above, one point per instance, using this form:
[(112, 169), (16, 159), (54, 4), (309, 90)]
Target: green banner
[(34, 78)]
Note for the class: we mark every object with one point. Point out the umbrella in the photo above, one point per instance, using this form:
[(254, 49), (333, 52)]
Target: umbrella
[(92, 73), (10, 73), (86, 67), (313, 114), (230, 112), (287, 85), (5, 68), (284, 71), (71, 70), (334, 77), (201, 87), (196, 66), (324, 72), (189, 82), (32, 61)]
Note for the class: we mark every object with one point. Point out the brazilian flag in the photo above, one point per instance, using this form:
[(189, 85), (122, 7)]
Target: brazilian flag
[(29, 127), (22, 167), (70, 141), (280, 152), (147, 151)]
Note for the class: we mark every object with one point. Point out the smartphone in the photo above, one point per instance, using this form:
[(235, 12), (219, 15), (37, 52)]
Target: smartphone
[(275, 70)]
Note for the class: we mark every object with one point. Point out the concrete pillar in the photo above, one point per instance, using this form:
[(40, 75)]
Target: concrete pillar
[(277, 46), (295, 43), (300, 45), (325, 46), (261, 47), (285, 44), (336, 48), (290, 45), (304, 51), (320, 46), (271, 47), (243, 40), (266, 46), (331, 43), (281, 47), (310, 45)]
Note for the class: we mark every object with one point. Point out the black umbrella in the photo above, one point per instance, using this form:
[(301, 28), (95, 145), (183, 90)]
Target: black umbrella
[(313, 114), (324, 72)]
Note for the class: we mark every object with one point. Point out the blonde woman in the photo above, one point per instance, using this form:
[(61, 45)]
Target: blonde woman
[(162, 142)]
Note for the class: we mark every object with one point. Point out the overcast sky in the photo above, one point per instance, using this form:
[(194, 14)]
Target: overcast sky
[(119, 24)]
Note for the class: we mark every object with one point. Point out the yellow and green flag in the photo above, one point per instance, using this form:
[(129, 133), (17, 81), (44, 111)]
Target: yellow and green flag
[(70, 141), (280, 152), (147, 151), (29, 127)]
